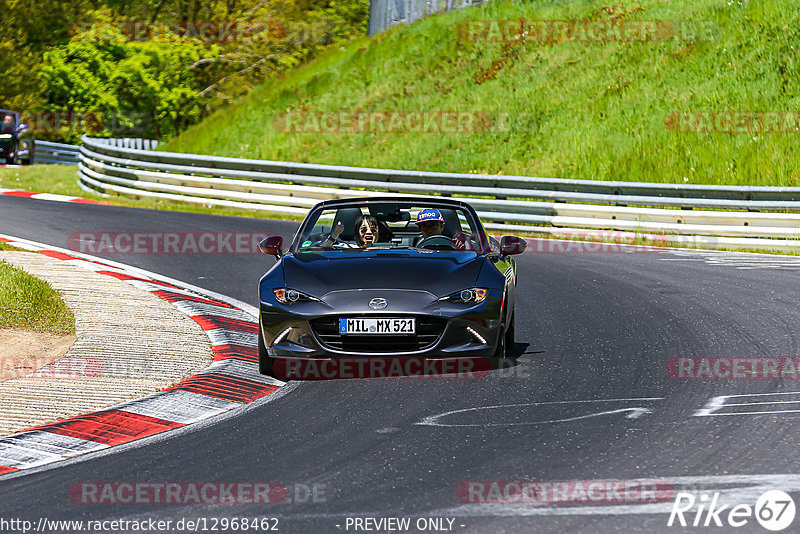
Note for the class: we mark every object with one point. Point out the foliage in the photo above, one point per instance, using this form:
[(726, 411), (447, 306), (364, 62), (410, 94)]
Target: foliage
[(53, 59), (580, 109)]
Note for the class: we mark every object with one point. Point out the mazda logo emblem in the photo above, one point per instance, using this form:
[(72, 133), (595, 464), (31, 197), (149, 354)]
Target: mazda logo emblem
[(378, 303)]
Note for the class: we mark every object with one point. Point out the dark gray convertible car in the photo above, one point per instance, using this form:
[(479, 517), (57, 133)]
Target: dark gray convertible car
[(397, 277), (16, 141)]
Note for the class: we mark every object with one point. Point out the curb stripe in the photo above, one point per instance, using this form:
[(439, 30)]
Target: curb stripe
[(225, 387), (57, 255), (183, 407), (90, 265), (226, 384), (48, 196), (152, 285), (22, 458), (194, 309), (210, 322), (223, 336), (112, 427), (235, 352), (35, 448), (171, 296), (240, 369), (53, 443), (127, 277), (89, 201)]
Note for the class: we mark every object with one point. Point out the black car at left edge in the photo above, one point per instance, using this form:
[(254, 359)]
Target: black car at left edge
[(16, 141), (448, 296)]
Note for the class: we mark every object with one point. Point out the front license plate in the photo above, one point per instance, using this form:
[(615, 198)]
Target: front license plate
[(376, 326)]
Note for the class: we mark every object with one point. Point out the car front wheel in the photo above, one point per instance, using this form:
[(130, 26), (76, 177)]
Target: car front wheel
[(264, 361), (501, 350), (510, 337)]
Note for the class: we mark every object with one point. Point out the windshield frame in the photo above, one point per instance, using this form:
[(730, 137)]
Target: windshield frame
[(313, 215)]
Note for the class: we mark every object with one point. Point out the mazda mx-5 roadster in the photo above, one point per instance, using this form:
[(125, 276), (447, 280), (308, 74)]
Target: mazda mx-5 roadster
[(396, 277)]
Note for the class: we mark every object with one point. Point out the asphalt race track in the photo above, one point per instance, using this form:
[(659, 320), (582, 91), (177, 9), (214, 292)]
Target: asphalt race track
[(588, 398)]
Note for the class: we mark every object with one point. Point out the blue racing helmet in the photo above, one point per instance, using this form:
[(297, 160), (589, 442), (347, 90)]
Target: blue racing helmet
[(429, 214)]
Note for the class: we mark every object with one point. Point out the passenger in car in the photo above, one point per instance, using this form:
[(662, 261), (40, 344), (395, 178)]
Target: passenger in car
[(369, 230)]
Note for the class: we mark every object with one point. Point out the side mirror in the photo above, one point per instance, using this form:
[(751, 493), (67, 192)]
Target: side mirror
[(22, 128), (272, 245), (511, 244)]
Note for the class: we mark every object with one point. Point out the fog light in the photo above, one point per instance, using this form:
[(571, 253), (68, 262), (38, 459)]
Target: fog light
[(477, 336), (280, 337)]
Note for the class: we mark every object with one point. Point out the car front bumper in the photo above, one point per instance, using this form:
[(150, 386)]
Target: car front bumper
[(300, 348)]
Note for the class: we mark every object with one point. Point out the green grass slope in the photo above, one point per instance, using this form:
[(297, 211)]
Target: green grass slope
[(589, 110), (28, 303)]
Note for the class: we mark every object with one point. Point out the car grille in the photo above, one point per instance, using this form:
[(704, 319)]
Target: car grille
[(429, 329)]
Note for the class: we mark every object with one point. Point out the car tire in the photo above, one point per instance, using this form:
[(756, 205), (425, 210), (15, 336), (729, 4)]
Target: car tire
[(500, 351), (510, 341), (264, 360)]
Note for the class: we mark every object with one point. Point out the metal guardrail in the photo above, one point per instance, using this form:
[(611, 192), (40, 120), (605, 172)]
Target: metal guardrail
[(504, 202), (47, 152), (384, 14)]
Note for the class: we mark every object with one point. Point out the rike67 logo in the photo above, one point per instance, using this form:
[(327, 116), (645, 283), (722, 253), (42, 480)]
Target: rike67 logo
[(774, 510)]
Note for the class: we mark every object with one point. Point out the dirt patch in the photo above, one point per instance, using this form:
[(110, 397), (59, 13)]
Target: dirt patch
[(23, 352)]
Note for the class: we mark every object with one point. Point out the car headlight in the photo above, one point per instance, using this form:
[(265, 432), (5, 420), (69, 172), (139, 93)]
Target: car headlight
[(472, 296), (290, 296)]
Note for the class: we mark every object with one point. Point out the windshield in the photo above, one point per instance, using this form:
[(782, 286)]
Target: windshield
[(390, 226)]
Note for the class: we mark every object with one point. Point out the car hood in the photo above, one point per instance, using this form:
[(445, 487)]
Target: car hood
[(440, 273)]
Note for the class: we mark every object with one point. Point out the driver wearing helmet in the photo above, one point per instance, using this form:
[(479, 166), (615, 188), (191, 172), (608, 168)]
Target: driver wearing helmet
[(7, 126), (431, 226)]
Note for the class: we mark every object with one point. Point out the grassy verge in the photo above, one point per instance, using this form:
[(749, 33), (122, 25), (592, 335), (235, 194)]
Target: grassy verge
[(6, 246), (576, 109), (29, 303)]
